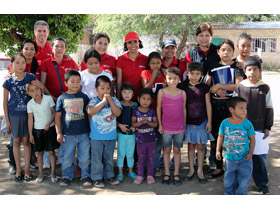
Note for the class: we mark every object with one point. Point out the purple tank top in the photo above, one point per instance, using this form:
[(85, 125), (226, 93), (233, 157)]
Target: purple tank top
[(172, 113)]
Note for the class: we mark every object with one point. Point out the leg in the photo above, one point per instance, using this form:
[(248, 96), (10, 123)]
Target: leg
[(52, 162), (259, 170), (141, 150), (83, 154), (27, 155), (244, 175), (200, 158), (40, 163), (191, 155), (166, 158), (121, 147), (230, 180), (130, 146), (151, 158), (177, 145), (68, 167), (17, 155), (108, 159), (97, 149)]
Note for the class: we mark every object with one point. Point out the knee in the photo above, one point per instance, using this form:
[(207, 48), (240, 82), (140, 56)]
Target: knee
[(176, 151), (200, 147)]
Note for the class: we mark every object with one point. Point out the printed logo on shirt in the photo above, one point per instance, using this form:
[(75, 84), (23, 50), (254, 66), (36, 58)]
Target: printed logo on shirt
[(141, 66), (74, 109), (106, 66)]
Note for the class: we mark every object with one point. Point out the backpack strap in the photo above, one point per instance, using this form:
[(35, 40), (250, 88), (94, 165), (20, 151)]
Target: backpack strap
[(58, 75)]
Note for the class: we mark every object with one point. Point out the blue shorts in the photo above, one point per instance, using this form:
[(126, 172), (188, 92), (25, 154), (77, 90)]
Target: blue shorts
[(175, 139)]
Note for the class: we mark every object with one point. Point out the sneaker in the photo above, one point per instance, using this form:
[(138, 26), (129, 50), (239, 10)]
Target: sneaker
[(39, 179), (132, 175), (120, 177), (87, 182), (98, 184), (112, 181), (64, 182), (12, 169), (78, 172), (158, 172), (138, 180), (212, 166), (46, 166), (54, 179), (265, 190), (150, 180)]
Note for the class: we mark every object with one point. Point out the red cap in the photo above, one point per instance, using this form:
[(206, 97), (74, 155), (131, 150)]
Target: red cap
[(131, 36)]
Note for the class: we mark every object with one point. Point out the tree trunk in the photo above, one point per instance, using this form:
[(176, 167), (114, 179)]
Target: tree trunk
[(185, 37), (16, 36)]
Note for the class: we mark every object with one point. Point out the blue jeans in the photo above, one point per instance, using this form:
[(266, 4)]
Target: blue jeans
[(69, 149), (259, 170), (102, 165), (126, 146), (159, 147), (237, 176)]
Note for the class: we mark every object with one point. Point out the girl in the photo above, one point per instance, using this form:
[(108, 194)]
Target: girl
[(225, 50), (16, 112), (130, 65), (126, 133), (88, 77), (100, 44), (144, 119), (171, 113), (104, 109), (199, 119)]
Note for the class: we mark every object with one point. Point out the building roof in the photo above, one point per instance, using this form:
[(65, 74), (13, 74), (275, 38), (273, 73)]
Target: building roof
[(248, 25)]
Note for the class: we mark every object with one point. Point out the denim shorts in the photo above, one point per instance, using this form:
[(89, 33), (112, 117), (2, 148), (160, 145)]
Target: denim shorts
[(175, 139)]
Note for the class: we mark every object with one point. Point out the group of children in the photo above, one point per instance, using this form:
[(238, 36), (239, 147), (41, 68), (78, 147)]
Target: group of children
[(166, 113)]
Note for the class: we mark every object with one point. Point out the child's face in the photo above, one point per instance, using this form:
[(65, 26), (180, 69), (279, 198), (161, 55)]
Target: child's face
[(240, 110), (101, 45), (127, 94), (226, 52), (244, 47), (253, 74), (133, 46), (194, 76), (73, 84), (169, 51), (103, 88), (172, 79), (28, 50), (93, 65), (34, 92), (204, 39), (19, 64), (145, 100), (59, 48), (155, 64)]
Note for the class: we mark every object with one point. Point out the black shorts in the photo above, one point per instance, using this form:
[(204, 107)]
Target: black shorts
[(45, 140)]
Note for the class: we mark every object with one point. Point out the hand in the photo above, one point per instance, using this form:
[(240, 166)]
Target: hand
[(108, 97), (47, 127), (132, 129), (123, 128), (8, 127), (160, 130), (266, 133), (248, 156), (215, 88), (68, 57), (60, 138), (31, 139), (218, 155), (144, 120), (221, 93), (7, 76), (108, 71), (208, 127), (164, 85)]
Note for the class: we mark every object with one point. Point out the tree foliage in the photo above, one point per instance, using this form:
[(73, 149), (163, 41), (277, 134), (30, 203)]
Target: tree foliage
[(15, 28)]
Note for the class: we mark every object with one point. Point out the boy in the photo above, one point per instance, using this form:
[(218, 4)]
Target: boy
[(42, 133), (72, 127), (239, 136), (260, 113)]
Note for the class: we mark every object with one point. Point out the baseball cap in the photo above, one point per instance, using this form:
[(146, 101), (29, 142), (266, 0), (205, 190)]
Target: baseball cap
[(169, 42), (131, 36)]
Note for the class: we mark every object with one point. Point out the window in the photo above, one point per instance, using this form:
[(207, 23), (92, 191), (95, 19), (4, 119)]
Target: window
[(266, 44)]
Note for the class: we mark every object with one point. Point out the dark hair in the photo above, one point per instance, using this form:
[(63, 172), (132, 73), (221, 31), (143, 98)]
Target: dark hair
[(34, 64), (204, 27), (173, 70), (13, 58), (252, 61), (92, 53), (101, 35), (125, 46), (146, 91), (153, 55), (244, 36), (41, 22), (69, 73), (195, 66), (102, 78), (233, 101), (225, 41), (58, 39), (127, 86)]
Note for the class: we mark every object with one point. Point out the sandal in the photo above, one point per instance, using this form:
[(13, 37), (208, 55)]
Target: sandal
[(188, 178), (167, 181), (18, 178), (212, 175), (177, 182), (28, 178)]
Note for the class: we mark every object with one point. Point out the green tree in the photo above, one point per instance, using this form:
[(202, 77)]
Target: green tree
[(15, 28)]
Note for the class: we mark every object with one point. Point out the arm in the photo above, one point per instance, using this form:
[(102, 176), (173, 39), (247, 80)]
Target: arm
[(30, 127), (252, 147), (5, 107), (229, 87), (136, 124), (119, 82), (159, 97), (208, 80), (153, 123), (149, 84), (219, 144), (51, 120), (209, 112), (115, 109), (92, 110), (57, 121)]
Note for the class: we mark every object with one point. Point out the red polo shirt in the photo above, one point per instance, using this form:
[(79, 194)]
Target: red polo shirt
[(182, 65), (43, 53), (28, 69), (107, 62), (131, 70), (52, 81)]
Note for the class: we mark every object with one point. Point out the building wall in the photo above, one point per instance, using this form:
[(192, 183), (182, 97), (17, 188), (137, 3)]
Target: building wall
[(233, 34)]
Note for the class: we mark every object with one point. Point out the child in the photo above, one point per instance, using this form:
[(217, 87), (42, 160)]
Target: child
[(88, 77), (15, 108), (126, 133), (104, 109), (199, 119), (42, 133), (171, 113), (260, 113), (72, 127), (238, 136), (144, 119), (220, 99)]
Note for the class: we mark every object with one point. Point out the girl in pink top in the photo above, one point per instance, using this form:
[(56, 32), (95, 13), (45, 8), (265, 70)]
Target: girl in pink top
[(171, 113)]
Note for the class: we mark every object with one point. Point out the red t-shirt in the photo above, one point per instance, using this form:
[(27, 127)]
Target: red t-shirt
[(52, 81), (131, 70), (182, 65), (107, 62), (43, 53), (28, 69)]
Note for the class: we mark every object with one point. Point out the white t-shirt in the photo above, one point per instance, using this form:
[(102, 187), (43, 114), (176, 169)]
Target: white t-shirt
[(88, 82), (42, 112)]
